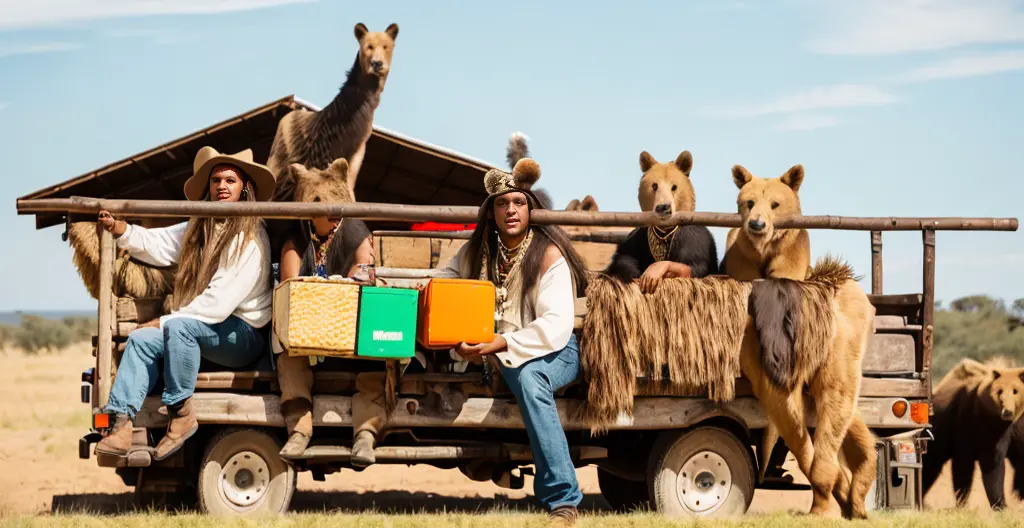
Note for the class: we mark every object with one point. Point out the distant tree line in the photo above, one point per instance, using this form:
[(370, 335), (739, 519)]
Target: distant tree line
[(36, 334), (977, 327)]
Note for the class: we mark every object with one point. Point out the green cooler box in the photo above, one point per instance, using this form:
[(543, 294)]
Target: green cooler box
[(387, 322)]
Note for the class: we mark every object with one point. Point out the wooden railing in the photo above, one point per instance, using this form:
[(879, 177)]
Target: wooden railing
[(420, 213)]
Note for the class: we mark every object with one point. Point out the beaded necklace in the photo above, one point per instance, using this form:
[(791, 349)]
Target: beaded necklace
[(659, 243), (320, 248)]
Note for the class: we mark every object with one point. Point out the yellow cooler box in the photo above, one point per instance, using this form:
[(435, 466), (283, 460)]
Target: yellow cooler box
[(453, 311), (314, 316)]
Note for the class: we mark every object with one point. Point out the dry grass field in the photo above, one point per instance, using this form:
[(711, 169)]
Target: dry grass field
[(43, 482)]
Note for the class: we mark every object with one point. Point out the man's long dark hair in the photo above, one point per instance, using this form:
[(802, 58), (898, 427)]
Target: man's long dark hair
[(486, 232)]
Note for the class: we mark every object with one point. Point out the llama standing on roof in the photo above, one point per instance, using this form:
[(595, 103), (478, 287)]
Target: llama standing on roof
[(342, 128)]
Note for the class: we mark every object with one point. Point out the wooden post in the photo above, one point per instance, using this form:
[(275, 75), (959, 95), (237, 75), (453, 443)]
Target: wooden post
[(876, 263), (104, 339), (928, 308)]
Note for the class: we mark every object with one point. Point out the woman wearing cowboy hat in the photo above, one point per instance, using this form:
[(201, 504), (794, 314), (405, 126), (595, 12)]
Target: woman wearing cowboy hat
[(222, 297), (538, 275)]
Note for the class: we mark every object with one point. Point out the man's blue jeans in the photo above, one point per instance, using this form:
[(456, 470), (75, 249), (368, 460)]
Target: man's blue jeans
[(534, 384), (175, 349)]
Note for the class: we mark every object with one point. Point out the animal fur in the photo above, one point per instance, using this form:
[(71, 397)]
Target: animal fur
[(986, 399), (342, 128), (780, 362), (795, 321), (689, 328), (666, 188), (131, 277)]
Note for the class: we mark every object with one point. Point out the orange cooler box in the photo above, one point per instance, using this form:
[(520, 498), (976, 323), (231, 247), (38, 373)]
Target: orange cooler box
[(453, 311)]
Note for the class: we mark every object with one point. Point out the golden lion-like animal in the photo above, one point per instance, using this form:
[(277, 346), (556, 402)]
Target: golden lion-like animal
[(780, 360), (131, 277)]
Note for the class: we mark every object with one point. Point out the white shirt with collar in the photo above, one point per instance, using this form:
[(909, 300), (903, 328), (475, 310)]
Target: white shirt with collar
[(240, 287)]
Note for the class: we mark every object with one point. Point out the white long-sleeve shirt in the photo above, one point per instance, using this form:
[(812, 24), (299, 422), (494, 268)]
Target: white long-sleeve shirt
[(554, 313), (240, 287)]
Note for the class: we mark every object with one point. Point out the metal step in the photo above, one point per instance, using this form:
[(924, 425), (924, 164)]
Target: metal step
[(518, 452)]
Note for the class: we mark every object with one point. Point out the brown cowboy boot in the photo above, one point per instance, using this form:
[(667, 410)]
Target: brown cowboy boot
[(362, 450), (563, 517), (298, 416), (119, 441), (182, 426)]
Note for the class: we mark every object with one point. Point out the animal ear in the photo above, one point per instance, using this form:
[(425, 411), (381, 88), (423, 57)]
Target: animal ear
[(646, 161), (296, 171), (588, 203), (741, 176), (361, 31), (338, 167), (685, 162), (996, 374), (969, 368), (574, 205), (392, 31), (526, 173), (794, 177)]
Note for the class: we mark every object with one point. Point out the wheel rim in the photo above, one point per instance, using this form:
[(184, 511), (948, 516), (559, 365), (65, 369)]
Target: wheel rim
[(244, 479), (704, 482)]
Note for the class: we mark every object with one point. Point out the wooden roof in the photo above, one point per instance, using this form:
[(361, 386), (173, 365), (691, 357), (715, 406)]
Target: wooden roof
[(396, 168)]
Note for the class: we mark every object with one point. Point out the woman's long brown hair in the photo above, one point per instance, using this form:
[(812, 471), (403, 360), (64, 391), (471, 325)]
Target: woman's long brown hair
[(201, 250), (486, 232)]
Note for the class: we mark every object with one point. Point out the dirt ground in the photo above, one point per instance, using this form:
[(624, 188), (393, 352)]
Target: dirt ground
[(42, 418)]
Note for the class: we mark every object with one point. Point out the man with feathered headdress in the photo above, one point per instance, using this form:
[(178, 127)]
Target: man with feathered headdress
[(538, 275)]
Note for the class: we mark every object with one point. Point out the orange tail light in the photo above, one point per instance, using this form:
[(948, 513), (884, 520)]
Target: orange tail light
[(101, 421), (899, 408), (919, 412)]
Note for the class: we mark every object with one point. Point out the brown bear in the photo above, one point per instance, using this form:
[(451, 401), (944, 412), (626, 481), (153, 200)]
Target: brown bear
[(651, 253), (977, 410)]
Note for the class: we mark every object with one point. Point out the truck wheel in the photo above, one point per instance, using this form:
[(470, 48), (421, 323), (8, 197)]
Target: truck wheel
[(704, 472), (243, 475), (623, 495)]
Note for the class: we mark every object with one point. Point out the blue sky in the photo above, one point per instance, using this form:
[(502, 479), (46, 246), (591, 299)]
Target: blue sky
[(894, 107)]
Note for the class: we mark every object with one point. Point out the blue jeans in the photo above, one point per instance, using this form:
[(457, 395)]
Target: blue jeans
[(175, 349), (534, 384)]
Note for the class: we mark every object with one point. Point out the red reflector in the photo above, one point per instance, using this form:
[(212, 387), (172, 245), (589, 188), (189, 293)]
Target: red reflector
[(919, 412), (438, 226), (100, 421)]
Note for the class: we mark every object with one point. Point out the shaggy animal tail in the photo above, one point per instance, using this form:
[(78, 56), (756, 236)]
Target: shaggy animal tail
[(795, 321), (517, 149), (775, 309), (131, 278)]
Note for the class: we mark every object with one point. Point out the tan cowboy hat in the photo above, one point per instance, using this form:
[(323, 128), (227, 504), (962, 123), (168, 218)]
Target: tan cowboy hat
[(207, 158)]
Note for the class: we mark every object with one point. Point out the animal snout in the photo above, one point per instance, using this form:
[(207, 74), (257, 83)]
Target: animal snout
[(756, 225), (663, 208), (376, 65), (1006, 414)]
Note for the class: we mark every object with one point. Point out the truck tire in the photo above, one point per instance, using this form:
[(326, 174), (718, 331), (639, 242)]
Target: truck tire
[(622, 494), (703, 472), (242, 475)]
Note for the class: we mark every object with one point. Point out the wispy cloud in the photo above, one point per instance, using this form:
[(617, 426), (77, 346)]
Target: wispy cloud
[(4, 105), (159, 37), (24, 14), (37, 48), (822, 97), (877, 27), (797, 123), (966, 66)]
